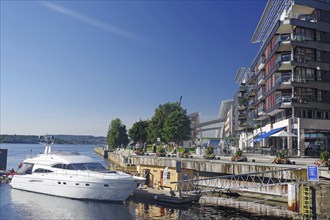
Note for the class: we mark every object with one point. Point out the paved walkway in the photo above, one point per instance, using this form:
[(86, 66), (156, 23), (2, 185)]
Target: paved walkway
[(259, 158), (268, 159)]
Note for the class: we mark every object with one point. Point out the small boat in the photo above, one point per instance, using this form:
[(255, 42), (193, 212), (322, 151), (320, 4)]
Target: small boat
[(73, 175)]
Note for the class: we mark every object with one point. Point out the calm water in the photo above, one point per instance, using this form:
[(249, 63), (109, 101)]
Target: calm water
[(16, 204)]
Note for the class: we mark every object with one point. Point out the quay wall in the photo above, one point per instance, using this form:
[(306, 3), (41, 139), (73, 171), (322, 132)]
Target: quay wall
[(322, 199), (223, 167), (201, 167), (101, 151)]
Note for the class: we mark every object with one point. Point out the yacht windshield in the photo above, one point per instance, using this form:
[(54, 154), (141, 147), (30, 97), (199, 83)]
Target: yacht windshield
[(81, 166), (86, 166), (26, 168)]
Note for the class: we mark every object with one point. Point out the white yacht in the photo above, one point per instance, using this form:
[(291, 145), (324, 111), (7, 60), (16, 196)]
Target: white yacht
[(72, 175)]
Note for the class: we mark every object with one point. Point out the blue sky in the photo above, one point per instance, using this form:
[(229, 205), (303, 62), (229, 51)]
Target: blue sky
[(70, 67)]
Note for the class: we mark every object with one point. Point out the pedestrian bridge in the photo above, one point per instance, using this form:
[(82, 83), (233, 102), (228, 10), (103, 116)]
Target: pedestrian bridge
[(271, 182)]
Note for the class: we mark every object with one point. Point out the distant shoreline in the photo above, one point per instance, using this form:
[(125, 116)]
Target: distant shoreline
[(58, 139)]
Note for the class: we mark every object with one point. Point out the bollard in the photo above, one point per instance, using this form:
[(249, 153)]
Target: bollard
[(3, 159), (293, 197)]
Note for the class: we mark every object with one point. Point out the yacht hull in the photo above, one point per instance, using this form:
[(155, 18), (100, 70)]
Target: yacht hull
[(82, 188)]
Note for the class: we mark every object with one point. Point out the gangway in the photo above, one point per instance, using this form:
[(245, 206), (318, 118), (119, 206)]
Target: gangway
[(260, 182)]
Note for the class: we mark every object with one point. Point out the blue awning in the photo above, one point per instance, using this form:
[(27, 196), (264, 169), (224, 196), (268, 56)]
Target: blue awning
[(271, 132), (262, 136), (258, 138)]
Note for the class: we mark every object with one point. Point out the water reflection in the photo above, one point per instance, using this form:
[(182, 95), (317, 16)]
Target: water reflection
[(39, 206)]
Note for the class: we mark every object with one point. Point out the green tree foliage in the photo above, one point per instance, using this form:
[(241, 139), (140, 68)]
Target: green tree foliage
[(117, 134), (170, 122), (139, 131), (176, 127)]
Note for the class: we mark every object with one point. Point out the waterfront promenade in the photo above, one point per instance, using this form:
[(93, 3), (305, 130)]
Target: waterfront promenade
[(204, 168)]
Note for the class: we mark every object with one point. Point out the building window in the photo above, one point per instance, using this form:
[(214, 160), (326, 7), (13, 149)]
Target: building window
[(304, 55), (304, 75), (309, 113), (307, 94), (259, 93), (304, 34)]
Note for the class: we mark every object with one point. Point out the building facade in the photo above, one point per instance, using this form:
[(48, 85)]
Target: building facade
[(289, 78), (243, 108)]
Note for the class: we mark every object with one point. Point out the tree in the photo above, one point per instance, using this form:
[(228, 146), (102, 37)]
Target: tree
[(157, 121), (168, 112), (139, 131), (176, 127), (117, 134)]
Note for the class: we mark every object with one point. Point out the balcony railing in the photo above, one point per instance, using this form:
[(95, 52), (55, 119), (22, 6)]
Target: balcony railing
[(261, 110), (278, 100), (305, 99), (261, 78), (261, 63), (302, 17), (286, 99), (283, 78), (304, 58), (306, 17), (283, 38), (283, 58), (301, 38)]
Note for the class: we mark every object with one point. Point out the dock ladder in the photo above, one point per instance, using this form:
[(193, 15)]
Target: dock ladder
[(306, 201)]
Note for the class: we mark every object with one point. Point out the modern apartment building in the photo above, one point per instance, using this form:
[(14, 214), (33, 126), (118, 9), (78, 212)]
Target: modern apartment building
[(243, 107), (290, 77)]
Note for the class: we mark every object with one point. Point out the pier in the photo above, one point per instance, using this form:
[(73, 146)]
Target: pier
[(282, 182)]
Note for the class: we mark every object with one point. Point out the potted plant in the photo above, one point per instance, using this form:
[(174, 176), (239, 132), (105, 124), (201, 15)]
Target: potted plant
[(161, 152), (280, 158), (238, 156), (324, 159), (184, 153), (139, 151), (209, 153)]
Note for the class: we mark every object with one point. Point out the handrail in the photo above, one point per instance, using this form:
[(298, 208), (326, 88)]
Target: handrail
[(235, 175), (262, 181)]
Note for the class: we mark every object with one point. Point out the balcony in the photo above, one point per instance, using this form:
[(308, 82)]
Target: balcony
[(304, 58), (261, 94), (286, 101), (251, 94), (300, 38), (261, 113), (283, 80), (251, 106), (242, 88), (283, 42), (306, 17), (284, 62), (261, 78), (261, 63), (261, 110), (241, 107), (242, 117)]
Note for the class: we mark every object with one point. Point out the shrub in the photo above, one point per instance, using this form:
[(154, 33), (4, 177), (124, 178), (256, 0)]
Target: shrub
[(280, 154), (324, 156), (161, 152), (239, 153), (184, 153), (209, 150)]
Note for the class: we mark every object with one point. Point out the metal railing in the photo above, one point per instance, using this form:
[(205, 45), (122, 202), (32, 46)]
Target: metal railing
[(260, 182)]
